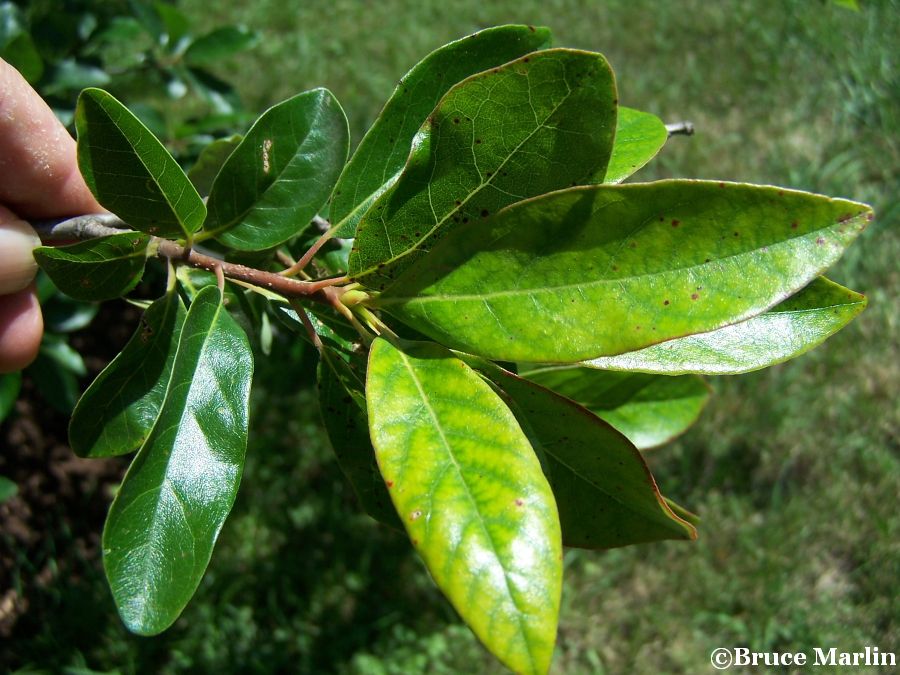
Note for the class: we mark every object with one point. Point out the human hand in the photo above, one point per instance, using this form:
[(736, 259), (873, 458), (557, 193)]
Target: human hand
[(39, 178)]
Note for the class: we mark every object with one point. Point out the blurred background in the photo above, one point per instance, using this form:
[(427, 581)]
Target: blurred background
[(795, 470)]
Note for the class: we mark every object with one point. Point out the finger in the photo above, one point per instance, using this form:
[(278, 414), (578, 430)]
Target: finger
[(21, 327), (37, 155), (17, 265)]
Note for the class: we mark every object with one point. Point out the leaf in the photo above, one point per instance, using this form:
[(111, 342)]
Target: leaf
[(639, 136), (167, 514), (786, 331), (472, 496), (116, 413), (65, 315), (16, 45), (130, 172), (601, 270), (210, 162), (96, 269), (8, 489), (10, 383), (55, 372), (281, 174), (343, 402), (386, 145), (540, 123), (648, 409), (218, 45), (604, 490)]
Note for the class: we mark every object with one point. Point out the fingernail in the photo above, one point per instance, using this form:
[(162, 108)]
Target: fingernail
[(17, 265)]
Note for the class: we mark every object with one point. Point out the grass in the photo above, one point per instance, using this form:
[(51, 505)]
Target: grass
[(795, 470)]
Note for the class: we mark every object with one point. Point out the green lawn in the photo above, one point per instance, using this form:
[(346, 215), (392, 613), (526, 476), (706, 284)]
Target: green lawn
[(795, 470)]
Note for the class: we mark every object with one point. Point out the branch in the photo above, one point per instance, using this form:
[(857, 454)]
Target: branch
[(680, 129), (103, 225)]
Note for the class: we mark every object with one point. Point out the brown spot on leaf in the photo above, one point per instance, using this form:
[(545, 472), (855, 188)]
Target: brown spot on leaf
[(519, 502), (676, 223), (694, 296), (665, 302), (794, 225), (415, 515)]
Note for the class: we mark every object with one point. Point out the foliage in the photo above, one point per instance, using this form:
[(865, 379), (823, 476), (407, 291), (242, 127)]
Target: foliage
[(495, 269)]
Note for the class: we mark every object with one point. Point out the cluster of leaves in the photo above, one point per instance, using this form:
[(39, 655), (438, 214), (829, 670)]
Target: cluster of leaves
[(136, 50), (502, 326)]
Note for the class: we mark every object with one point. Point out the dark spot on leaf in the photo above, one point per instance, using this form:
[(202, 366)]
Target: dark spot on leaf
[(458, 203), (531, 28), (455, 120), (466, 219), (737, 234), (519, 502), (633, 244), (615, 268), (794, 225), (820, 241), (676, 223), (415, 515), (870, 216), (665, 302), (694, 296), (661, 219), (477, 141), (484, 213), (390, 484), (844, 218), (706, 261)]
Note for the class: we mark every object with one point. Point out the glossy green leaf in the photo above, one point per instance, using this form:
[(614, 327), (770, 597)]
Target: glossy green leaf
[(130, 172), (167, 514), (537, 124), (649, 410), (472, 496), (10, 383), (385, 147), (210, 162), (118, 410), (604, 490), (639, 136), (96, 269), (788, 330), (281, 174), (606, 269), (218, 45), (342, 399)]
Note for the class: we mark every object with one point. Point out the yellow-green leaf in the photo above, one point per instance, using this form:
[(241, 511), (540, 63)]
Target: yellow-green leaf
[(472, 496)]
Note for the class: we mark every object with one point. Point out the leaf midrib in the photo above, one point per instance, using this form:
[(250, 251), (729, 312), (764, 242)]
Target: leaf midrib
[(471, 498)]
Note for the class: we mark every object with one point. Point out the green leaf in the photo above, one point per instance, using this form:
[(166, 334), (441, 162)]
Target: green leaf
[(62, 314), (341, 380), (10, 383), (8, 489), (16, 45), (96, 269), (167, 514), (55, 372), (386, 145), (281, 174), (210, 162), (472, 496), (639, 136), (118, 410), (70, 76), (537, 124), (130, 172), (649, 409), (604, 490), (786, 331), (601, 270), (218, 45)]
